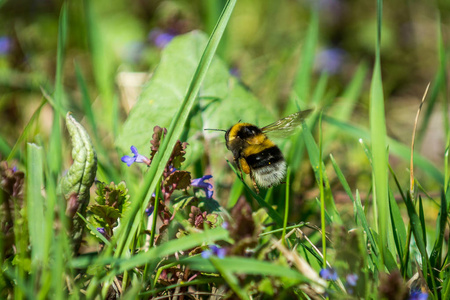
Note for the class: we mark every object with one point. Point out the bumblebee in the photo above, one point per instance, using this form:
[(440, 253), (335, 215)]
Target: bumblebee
[(255, 154)]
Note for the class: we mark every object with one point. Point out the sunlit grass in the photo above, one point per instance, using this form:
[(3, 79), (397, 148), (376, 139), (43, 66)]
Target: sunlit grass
[(291, 241)]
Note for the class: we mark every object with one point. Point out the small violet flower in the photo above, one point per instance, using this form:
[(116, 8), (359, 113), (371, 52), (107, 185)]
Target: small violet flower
[(330, 60), (417, 294), (149, 210), (201, 184), (101, 230), (160, 38), (328, 274), (352, 279), (214, 250), (5, 45), (137, 158)]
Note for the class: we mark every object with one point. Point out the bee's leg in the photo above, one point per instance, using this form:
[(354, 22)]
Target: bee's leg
[(238, 164), (254, 182)]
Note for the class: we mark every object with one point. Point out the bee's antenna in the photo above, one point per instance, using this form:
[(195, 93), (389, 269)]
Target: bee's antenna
[(215, 129)]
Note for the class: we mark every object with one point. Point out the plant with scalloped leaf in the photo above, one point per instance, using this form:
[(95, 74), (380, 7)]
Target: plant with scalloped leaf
[(111, 202)]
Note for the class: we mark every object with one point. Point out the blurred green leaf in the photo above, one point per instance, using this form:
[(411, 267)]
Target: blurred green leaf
[(222, 99)]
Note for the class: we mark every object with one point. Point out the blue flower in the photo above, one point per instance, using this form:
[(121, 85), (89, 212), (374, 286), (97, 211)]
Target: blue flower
[(201, 184), (330, 60), (149, 211), (160, 38), (137, 158), (214, 250), (5, 45), (101, 230), (328, 274), (417, 294), (352, 279)]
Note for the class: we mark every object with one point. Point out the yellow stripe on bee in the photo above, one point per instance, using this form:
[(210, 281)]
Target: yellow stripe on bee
[(244, 165), (257, 148), (235, 129)]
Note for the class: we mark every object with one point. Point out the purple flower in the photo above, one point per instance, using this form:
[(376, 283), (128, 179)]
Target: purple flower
[(225, 225), (417, 294), (149, 210), (201, 184), (235, 72), (160, 38), (101, 230), (137, 158), (214, 250), (5, 45), (328, 274), (330, 60), (352, 279)]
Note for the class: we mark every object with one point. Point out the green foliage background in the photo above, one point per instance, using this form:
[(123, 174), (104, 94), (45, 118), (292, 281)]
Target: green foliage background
[(351, 190)]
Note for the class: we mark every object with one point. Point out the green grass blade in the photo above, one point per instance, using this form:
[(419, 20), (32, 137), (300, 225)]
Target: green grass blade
[(245, 265), (416, 227), (55, 155), (347, 102), (173, 133), (436, 253), (86, 101), (102, 64), (422, 221), (236, 190), (26, 131), (302, 82), (286, 206), (5, 149), (232, 281), (322, 197), (378, 139), (35, 204), (398, 227)]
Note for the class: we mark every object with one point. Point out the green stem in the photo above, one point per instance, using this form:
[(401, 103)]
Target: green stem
[(155, 214), (322, 198), (286, 207)]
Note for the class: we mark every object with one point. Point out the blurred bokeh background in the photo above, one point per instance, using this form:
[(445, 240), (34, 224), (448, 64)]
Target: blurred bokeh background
[(115, 46)]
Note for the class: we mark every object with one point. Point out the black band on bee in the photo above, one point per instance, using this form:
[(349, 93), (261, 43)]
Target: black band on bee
[(265, 158), (248, 131)]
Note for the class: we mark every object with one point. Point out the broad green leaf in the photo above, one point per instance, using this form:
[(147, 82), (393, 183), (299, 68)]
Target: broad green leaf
[(223, 100)]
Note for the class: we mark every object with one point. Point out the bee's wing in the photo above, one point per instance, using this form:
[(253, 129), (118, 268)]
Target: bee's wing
[(287, 125)]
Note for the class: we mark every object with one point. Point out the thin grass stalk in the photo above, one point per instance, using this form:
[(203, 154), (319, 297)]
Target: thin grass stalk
[(55, 146), (322, 196), (286, 207)]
